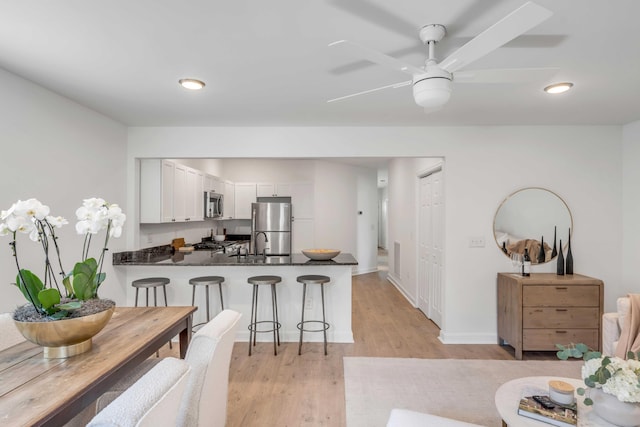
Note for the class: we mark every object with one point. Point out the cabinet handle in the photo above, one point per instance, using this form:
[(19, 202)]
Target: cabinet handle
[(561, 332), (561, 288), (561, 309)]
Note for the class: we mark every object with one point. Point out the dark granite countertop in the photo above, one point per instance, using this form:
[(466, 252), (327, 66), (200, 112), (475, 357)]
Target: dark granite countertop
[(163, 255)]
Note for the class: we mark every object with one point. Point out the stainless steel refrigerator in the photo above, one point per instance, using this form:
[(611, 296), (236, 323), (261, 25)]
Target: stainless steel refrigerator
[(271, 228)]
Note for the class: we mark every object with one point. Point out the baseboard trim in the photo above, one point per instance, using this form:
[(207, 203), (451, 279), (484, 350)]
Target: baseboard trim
[(397, 285), (467, 338)]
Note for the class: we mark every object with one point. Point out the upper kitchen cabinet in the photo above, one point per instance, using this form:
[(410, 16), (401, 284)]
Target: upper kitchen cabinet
[(169, 192), (194, 195), (270, 189), (213, 184), (245, 194), (229, 205)]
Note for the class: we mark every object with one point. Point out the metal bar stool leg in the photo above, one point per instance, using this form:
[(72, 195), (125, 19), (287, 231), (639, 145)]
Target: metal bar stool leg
[(137, 289), (301, 324), (274, 313), (324, 321), (146, 292), (275, 305), (252, 323), (221, 300), (206, 289)]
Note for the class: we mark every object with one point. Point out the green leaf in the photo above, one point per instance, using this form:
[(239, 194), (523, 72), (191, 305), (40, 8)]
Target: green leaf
[(588, 401), (563, 354), (592, 355), (84, 279), (582, 347), (580, 391), (67, 285), (49, 298), (70, 306), (32, 285), (60, 314)]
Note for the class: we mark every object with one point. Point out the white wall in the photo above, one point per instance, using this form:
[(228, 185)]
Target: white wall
[(582, 164), (60, 153), (630, 209)]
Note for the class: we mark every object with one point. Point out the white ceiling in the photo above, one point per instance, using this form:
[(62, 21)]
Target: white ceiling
[(267, 62)]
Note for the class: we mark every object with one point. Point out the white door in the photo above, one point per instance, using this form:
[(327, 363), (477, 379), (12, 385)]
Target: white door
[(431, 240)]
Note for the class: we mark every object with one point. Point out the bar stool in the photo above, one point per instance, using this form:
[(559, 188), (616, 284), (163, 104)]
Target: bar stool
[(206, 281), (313, 279), (152, 282), (256, 281)]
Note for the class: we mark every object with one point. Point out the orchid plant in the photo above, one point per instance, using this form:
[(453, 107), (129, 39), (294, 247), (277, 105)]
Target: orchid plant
[(33, 218), (615, 376)]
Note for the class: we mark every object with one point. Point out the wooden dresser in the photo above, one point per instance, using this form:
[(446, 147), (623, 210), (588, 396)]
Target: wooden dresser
[(537, 312)]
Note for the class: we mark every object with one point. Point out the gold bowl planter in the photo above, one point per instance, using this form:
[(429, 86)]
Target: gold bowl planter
[(67, 337)]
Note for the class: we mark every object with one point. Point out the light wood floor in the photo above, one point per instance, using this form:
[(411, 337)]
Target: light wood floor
[(308, 390)]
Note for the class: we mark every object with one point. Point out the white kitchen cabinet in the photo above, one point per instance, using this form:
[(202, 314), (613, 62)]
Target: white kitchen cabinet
[(229, 205), (194, 195), (214, 184), (270, 189), (245, 194), (169, 192)]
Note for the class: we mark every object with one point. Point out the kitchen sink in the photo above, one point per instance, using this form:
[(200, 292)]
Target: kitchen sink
[(259, 259)]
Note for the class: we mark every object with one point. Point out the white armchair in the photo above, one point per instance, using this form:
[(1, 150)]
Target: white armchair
[(151, 401), (612, 326), (204, 402)]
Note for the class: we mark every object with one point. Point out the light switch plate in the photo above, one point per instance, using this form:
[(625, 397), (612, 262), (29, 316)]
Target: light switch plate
[(476, 242)]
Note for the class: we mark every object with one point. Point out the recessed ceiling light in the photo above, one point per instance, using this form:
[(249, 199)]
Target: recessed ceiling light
[(191, 84), (558, 88)]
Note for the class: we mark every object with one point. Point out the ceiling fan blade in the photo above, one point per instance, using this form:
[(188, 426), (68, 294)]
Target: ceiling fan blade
[(377, 57), (392, 86), (504, 75), (511, 26)]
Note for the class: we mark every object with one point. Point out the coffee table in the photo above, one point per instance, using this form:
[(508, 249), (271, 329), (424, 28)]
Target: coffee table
[(508, 396)]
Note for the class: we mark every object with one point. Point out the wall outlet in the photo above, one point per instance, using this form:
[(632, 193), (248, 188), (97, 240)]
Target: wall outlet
[(476, 242), (308, 304)]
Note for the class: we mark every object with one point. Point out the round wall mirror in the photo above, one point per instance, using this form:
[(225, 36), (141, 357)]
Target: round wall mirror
[(535, 219)]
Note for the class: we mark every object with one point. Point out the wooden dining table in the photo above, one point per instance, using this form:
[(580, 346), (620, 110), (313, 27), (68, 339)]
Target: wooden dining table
[(35, 391)]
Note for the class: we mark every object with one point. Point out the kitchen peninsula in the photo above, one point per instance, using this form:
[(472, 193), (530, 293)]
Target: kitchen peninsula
[(179, 267)]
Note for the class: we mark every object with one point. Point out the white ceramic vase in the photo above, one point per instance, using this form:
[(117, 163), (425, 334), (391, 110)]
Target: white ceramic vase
[(609, 408)]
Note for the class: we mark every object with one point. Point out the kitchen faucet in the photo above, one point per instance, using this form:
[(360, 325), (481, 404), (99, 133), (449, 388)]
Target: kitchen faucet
[(255, 244)]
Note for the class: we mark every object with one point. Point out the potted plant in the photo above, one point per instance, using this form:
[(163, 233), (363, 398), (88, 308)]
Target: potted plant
[(613, 384), (59, 296)]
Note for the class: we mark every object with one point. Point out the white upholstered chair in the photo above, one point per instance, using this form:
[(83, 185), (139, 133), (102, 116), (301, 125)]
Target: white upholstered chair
[(612, 326), (407, 418), (153, 400), (9, 334), (209, 354)]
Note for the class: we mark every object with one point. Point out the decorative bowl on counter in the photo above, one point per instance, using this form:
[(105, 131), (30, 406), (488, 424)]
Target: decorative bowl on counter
[(321, 254), (219, 237)]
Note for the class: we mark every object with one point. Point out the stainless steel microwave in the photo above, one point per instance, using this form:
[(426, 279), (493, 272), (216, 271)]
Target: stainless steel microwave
[(213, 204)]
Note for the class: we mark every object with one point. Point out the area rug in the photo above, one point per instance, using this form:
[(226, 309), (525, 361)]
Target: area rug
[(452, 388)]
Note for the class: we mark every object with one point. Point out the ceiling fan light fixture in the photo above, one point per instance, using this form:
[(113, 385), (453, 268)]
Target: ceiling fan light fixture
[(557, 88), (432, 92), (191, 84)]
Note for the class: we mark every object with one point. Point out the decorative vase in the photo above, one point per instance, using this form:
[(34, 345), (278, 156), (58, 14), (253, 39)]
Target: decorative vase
[(65, 337), (569, 268), (609, 408), (560, 264), (554, 251)]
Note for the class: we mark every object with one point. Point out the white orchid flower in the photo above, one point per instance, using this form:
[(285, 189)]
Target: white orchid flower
[(57, 221), (4, 230), (31, 208), (20, 224)]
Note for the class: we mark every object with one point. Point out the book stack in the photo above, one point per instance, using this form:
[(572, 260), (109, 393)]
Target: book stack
[(558, 415)]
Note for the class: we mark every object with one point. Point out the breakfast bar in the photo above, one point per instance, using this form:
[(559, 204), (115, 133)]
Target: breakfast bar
[(179, 267)]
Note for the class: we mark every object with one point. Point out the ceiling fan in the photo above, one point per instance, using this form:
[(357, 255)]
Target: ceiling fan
[(432, 83)]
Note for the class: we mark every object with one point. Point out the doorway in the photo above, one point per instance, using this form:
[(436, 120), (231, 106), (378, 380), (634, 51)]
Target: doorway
[(430, 243)]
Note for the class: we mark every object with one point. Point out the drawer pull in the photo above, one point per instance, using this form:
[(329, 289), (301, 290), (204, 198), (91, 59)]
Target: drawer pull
[(561, 288), (561, 332), (561, 309)]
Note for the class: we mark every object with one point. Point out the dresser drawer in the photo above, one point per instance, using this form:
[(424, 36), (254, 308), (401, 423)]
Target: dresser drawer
[(561, 295), (560, 317), (546, 339)]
